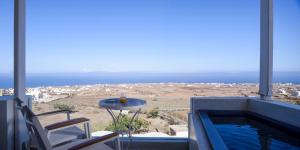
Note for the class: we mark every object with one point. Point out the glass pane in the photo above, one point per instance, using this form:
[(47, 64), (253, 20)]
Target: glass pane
[(163, 52), (286, 51), (6, 47)]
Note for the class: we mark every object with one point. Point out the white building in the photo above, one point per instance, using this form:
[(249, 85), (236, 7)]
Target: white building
[(295, 93)]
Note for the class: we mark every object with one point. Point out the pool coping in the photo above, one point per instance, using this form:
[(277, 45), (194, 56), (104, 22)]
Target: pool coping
[(214, 138)]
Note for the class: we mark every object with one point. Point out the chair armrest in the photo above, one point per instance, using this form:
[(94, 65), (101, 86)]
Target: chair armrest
[(66, 123), (54, 112), (94, 141)]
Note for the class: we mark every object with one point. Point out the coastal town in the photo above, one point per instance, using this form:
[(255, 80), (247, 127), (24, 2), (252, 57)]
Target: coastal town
[(287, 91), (167, 103)]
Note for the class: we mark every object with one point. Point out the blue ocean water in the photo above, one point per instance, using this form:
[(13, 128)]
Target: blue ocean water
[(35, 80)]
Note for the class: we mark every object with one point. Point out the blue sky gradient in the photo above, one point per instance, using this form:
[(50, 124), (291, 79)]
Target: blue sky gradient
[(150, 36)]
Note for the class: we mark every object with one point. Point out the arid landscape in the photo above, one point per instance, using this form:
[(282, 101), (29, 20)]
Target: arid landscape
[(170, 100)]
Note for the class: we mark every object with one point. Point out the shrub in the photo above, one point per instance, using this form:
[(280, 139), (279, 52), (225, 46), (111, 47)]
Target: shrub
[(38, 108), (63, 106), (172, 121), (154, 99), (123, 124), (152, 114)]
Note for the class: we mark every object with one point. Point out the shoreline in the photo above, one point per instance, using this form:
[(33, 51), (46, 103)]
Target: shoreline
[(51, 93), (141, 83)]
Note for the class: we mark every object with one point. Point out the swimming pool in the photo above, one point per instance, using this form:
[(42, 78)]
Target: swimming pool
[(244, 130)]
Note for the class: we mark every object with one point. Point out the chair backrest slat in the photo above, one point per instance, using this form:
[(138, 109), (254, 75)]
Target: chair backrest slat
[(35, 128), (40, 133)]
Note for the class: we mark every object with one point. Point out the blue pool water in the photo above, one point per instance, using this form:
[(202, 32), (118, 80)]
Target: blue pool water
[(243, 132)]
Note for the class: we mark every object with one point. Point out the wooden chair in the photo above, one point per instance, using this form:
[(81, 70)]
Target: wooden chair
[(40, 141), (66, 131)]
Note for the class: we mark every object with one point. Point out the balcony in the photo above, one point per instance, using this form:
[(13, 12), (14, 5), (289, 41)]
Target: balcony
[(203, 135), (266, 122)]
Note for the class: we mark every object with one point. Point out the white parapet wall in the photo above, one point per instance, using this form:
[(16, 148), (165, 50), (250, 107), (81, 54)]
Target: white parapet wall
[(218, 103), (197, 136), (6, 123), (277, 110), (274, 109), (284, 113)]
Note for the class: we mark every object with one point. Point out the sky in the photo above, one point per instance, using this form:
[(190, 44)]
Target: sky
[(149, 36)]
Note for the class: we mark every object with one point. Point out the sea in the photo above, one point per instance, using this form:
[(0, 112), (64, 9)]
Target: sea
[(63, 79)]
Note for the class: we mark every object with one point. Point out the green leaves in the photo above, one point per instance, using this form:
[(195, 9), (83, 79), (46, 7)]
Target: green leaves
[(123, 124), (63, 106)]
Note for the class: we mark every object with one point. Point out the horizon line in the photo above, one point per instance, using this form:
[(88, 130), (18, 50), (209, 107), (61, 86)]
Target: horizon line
[(147, 72)]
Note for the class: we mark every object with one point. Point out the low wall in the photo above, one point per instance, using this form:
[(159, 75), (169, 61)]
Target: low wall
[(6, 123), (197, 136), (288, 114), (279, 111), (218, 103)]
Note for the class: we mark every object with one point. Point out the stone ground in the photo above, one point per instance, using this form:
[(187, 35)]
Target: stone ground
[(164, 97)]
